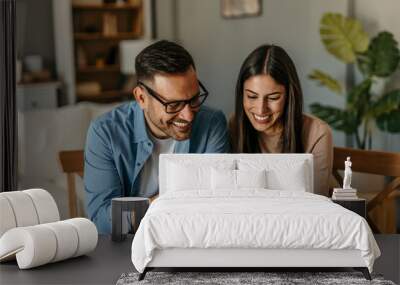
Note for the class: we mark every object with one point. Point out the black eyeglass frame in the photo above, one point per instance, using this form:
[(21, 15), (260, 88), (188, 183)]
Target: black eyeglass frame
[(158, 97)]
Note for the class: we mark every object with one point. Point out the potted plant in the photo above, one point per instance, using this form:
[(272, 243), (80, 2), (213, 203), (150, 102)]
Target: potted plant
[(375, 59)]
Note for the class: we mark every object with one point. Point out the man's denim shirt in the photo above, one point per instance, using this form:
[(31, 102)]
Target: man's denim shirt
[(117, 146)]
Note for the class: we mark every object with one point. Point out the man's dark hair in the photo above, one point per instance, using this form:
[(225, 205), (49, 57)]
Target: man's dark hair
[(162, 57)]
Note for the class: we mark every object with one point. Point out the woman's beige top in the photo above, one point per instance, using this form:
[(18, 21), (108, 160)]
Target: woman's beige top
[(317, 139)]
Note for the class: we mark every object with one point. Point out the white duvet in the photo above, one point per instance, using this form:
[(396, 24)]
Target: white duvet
[(253, 218)]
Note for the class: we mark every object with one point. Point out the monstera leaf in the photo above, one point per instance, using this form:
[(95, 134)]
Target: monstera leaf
[(388, 103), (326, 80), (381, 58), (359, 97), (339, 119), (389, 122), (343, 37)]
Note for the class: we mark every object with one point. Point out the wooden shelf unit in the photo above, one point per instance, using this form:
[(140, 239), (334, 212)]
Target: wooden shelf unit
[(97, 31), (106, 96), (106, 7), (99, 36), (95, 69)]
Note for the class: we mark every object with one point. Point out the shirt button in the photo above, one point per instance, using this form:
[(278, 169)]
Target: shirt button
[(149, 144), (138, 164)]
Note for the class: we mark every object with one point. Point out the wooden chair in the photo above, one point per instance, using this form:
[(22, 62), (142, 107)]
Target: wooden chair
[(373, 162), (72, 163)]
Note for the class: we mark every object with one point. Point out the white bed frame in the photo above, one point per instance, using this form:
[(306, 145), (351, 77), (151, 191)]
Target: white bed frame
[(251, 258), (234, 257)]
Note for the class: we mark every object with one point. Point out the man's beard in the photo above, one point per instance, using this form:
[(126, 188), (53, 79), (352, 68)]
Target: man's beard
[(170, 130)]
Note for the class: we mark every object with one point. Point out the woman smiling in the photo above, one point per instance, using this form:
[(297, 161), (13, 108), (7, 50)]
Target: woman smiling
[(269, 114)]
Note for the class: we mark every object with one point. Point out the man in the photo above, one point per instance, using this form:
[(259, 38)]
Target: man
[(123, 146)]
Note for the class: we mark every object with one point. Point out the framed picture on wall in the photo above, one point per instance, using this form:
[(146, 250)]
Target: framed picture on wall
[(240, 8)]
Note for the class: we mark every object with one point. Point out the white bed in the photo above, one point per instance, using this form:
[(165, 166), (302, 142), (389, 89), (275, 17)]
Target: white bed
[(219, 210)]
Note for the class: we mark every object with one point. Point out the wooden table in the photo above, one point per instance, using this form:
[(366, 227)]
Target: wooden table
[(102, 266), (110, 259)]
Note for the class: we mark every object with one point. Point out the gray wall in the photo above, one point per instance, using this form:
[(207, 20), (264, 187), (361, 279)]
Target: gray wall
[(35, 30), (220, 45), (166, 20)]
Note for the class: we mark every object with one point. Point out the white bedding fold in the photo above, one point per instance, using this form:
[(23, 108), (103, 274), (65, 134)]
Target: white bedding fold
[(253, 218)]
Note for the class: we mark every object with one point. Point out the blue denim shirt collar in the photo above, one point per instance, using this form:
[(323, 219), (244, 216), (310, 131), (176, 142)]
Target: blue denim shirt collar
[(139, 133)]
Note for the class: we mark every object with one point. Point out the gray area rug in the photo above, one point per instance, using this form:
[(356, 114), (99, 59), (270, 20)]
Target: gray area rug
[(230, 278)]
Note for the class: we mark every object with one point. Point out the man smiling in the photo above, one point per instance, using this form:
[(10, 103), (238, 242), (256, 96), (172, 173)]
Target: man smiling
[(168, 116)]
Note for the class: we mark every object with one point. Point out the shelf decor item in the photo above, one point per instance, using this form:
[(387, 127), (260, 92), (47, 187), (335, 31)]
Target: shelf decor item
[(88, 88), (81, 57), (110, 27), (33, 63), (376, 60), (347, 192), (87, 2)]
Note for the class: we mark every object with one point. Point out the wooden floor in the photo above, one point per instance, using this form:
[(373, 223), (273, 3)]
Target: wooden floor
[(389, 262)]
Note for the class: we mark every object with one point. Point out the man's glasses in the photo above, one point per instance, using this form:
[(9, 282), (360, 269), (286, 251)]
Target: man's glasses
[(177, 106)]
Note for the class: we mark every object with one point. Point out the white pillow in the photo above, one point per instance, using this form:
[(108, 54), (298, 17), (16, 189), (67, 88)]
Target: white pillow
[(251, 178), (223, 179), (236, 179), (290, 175), (184, 175), (293, 179)]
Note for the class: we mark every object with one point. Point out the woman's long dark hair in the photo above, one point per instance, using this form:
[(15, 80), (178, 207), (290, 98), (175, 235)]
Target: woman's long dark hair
[(273, 61)]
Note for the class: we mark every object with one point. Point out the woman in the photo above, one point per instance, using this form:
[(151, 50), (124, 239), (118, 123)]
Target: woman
[(269, 114)]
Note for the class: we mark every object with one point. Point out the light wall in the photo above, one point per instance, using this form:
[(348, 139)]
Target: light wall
[(220, 45)]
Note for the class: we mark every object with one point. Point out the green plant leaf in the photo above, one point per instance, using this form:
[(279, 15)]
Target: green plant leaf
[(343, 37), (324, 79), (339, 119), (358, 99), (386, 104), (389, 122), (382, 57)]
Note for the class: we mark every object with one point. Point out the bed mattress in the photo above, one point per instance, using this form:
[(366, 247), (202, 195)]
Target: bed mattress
[(250, 219)]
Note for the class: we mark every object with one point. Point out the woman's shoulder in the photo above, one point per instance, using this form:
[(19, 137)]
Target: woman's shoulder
[(314, 129), (312, 123)]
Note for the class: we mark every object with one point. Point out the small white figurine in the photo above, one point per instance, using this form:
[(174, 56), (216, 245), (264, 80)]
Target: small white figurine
[(347, 174)]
